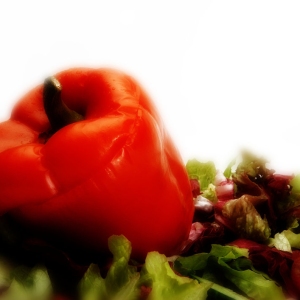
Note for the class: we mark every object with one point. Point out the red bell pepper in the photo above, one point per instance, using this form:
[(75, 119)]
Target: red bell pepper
[(84, 156)]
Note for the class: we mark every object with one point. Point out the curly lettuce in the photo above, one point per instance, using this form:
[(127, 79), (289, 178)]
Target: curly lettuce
[(125, 281), (229, 266), (246, 220)]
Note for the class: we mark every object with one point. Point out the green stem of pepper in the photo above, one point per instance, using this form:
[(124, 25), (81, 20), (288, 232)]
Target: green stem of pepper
[(58, 113)]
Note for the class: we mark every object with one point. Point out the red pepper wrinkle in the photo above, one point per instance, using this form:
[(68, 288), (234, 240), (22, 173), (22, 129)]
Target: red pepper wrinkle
[(14, 133), (30, 184)]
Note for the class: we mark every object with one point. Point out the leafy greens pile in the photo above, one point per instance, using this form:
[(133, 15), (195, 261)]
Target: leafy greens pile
[(254, 208)]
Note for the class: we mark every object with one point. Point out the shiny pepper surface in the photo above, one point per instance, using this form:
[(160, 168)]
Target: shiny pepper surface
[(115, 171)]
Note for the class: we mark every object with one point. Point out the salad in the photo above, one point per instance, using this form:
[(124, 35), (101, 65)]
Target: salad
[(244, 243)]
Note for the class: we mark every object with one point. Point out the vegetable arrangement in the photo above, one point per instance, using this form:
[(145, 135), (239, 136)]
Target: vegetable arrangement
[(109, 211)]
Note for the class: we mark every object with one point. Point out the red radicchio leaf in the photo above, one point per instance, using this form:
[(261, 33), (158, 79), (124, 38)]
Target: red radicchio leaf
[(202, 235), (281, 266), (262, 194), (144, 292), (204, 210), (295, 271), (195, 186)]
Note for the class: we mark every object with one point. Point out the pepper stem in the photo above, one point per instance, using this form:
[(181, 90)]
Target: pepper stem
[(58, 113)]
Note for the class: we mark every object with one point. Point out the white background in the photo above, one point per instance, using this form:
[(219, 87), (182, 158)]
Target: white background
[(224, 74)]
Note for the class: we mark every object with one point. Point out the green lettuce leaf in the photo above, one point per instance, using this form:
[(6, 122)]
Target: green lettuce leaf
[(29, 284), (220, 292), (168, 285), (230, 267), (121, 281), (210, 193), (293, 238), (228, 171), (254, 167), (205, 173), (285, 240)]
